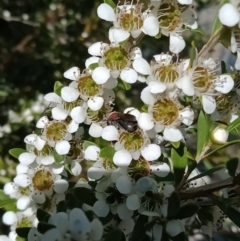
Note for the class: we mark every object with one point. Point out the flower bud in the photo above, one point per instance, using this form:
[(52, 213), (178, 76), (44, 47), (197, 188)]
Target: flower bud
[(219, 135)]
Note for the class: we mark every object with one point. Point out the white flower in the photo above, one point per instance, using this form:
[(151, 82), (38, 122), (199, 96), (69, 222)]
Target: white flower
[(76, 226), (42, 182), (174, 227), (229, 10), (23, 195), (203, 81), (129, 19), (219, 135), (117, 61), (169, 12)]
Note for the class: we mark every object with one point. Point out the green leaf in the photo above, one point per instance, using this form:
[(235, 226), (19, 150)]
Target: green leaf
[(85, 195), (110, 3), (116, 235), (86, 144), (223, 67), (3, 93), (230, 211), (193, 53), (58, 158), (173, 205), (16, 152), (23, 232), (58, 87), (207, 173), (139, 229), (203, 127), (44, 227), (127, 86), (176, 144), (187, 211), (179, 158), (93, 66), (159, 35), (144, 108), (42, 215), (61, 207), (5, 199), (198, 30), (107, 152), (232, 165), (217, 25), (234, 125)]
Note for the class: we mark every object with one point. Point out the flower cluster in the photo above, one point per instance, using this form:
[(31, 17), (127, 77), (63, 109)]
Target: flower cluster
[(141, 176)]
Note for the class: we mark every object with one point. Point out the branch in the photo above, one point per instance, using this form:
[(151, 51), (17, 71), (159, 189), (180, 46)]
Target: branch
[(17, 19), (205, 191)]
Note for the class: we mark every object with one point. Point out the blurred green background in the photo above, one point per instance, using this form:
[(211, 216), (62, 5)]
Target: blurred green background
[(39, 40)]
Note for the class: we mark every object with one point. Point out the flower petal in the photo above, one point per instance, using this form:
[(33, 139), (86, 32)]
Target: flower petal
[(100, 75), (129, 76), (151, 152), (72, 74), (141, 66), (62, 147), (95, 103), (69, 94), (122, 158), (177, 43), (105, 12), (228, 15)]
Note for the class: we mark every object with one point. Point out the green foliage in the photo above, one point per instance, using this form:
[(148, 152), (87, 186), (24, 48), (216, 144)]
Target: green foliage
[(58, 87), (107, 153), (42, 215), (187, 211), (86, 144), (179, 158), (16, 152), (139, 228), (173, 205), (110, 3), (22, 232), (93, 66), (85, 195), (58, 158), (5, 200), (232, 165), (203, 127)]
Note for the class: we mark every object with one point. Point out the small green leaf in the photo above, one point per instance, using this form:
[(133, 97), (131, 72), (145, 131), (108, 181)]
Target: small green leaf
[(93, 66), (16, 152), (58, 87), (42, 215), (179, 158), (176, 144), (198, 30), (127, 86), (173, 205), (144, 108), (58, 158), (223, 67), (234, 125), (44, 227), (86, 144), (203, 127), (116, 235), (61, 207), (159, 35), (187, 211), (139, 229), (107, 152), (207, 173), (110, 3), (5, 199), (217, 25), (193, 53), (85, 195), (232, 165), (23, 232)]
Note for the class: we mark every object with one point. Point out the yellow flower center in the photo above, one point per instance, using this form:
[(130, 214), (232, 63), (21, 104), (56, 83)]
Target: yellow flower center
[(202, 79), (170, 16), (88, 87), (165, 111), (56, 131), (166, 73), (132, 141), (42, 180), (116, 58)]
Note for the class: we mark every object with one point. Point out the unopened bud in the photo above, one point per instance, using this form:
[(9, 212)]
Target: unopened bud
[(219, 135)]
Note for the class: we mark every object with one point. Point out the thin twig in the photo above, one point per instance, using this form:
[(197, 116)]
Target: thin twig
[(17, 19)]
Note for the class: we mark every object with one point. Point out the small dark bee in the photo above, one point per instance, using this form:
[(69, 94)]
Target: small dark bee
[(126, 121)]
